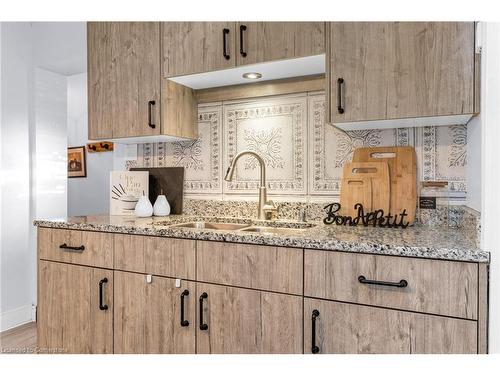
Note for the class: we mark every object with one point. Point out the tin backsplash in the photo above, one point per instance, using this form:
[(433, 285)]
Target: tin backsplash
[(304, 157)]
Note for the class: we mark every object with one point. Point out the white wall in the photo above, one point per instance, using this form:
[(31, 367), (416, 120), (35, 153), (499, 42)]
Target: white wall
[(50, 162), (88, 195), (490, 117), (17, 257), (33, 165)]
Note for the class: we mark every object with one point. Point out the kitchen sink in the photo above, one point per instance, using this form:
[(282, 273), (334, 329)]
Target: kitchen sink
[(210, 225), (274, 230)]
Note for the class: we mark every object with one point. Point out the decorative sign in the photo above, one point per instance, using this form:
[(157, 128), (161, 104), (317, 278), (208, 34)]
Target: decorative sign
[(125, 190), (427, 202), (374, 218)]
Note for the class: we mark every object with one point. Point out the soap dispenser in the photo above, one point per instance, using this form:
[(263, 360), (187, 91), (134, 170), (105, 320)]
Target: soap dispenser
[(143, 208), (161, 207)]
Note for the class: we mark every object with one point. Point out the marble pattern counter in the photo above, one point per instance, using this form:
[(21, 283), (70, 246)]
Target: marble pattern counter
[(417, 241)]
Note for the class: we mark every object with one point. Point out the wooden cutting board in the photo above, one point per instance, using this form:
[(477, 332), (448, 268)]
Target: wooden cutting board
[(402, 162), (367, 183)]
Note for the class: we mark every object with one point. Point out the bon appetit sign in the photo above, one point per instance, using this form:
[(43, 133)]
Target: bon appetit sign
[(375, 218)]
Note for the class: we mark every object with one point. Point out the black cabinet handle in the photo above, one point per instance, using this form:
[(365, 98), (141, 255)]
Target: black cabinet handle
[(225, 33), (203, 326), (72, 248), (401, 284), (184, 322), (151, 103), (101, 294), (242, 48), (314, 347), (340, 83)]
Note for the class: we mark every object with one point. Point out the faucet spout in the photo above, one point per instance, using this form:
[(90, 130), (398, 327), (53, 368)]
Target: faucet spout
[(262, 188), (262, 164)]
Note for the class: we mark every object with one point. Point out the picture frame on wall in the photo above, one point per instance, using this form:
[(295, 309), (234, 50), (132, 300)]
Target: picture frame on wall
[(77, 164)]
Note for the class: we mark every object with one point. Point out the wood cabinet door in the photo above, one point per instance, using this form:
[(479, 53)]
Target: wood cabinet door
[(342, 328), (268, 41), (71, 317), (247, 321), (123, 79), (197, 47), (400, 70), (148, 316)]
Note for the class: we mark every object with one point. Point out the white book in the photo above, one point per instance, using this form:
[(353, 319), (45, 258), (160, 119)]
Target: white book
[(125, 189)]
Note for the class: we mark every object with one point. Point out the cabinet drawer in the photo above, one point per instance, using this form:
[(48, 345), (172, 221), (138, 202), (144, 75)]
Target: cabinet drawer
[(433, 286), (344, 328), (277, 269), (74, 246), (155, 255)]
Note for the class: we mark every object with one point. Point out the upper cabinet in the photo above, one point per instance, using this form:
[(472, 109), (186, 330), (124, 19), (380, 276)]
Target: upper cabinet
[(126, 94), (196, 47), (268, 41), (199, 47), (399, 70)]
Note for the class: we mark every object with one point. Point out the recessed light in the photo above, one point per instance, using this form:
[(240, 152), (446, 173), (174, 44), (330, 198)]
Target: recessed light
[(252, 75)]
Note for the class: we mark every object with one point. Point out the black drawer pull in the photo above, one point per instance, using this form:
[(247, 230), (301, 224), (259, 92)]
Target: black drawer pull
[(340, 83), (242, 48), (72, 248), (151, 103), (401, 284), (184, 322), (225, 33), (314, 347), (101, 294), (203, 326)]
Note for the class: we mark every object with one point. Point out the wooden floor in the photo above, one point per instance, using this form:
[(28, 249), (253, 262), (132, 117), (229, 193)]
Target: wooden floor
[(19, 340)]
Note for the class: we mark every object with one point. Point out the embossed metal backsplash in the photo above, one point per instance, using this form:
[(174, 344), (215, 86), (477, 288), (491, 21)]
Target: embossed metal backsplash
[(304, 156)]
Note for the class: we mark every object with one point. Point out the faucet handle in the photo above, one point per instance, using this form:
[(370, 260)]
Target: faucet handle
[(270, 210)]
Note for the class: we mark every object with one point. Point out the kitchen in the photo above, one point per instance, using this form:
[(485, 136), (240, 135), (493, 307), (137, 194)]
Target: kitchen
[(264, 187)]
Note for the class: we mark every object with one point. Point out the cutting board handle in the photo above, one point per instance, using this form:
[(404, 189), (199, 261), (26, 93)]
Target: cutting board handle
[(382, 155), (364, 170)]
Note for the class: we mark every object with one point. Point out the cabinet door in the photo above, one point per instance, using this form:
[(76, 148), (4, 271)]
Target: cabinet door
[(267, 41), (247, 321), (123, 79), (71, 316), (400, 69), (342, 328), (148, 316), (197, 47)]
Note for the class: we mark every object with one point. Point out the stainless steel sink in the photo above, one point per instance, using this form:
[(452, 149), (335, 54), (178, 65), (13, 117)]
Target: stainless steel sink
[(274, 230), (211, 225)]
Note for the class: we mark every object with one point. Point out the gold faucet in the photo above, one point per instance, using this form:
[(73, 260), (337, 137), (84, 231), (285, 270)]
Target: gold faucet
[(266, 209)]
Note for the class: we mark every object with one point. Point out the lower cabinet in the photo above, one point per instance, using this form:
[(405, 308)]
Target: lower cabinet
[(153, 316), (334, 327), (75, 309), (234, 320)]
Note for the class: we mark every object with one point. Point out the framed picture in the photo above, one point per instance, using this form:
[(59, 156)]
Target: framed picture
[(77, 165)]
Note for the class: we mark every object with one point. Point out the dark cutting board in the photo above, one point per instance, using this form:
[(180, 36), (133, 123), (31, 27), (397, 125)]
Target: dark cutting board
[(171, 181)]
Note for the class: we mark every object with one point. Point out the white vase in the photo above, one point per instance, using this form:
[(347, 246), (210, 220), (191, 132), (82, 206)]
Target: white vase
[(161, 207), (143, 208)]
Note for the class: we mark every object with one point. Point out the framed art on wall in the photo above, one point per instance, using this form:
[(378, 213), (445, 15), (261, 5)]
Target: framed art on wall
[(77, 165)]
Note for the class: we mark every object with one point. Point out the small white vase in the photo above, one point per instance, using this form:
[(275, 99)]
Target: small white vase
[(161, 207), (143, 208)]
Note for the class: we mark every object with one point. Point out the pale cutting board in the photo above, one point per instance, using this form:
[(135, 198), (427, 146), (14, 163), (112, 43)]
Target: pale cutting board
[(352, 191), (365, 183), (402, 162)]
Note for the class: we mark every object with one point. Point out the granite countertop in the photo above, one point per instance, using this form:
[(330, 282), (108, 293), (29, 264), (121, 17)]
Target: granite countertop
[(417, 241)]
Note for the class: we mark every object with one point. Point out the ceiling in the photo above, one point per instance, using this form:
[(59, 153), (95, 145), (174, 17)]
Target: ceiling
[(60, 47)]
